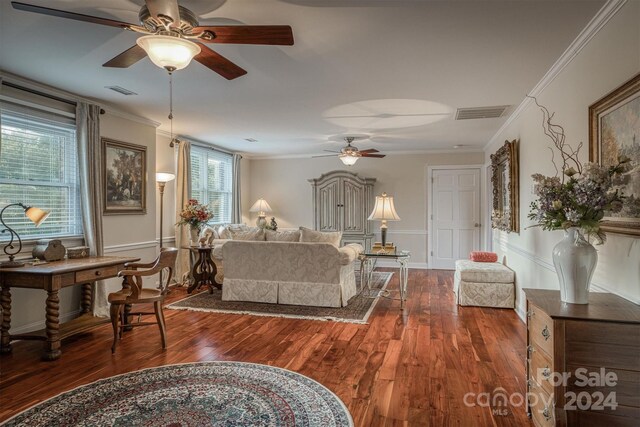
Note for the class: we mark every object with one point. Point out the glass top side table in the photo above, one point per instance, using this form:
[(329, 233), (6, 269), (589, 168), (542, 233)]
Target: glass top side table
[(368, 261)]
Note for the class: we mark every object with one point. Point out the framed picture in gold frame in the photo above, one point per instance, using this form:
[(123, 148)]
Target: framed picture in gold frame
[(124, 177), (505, 170), (614, 130)]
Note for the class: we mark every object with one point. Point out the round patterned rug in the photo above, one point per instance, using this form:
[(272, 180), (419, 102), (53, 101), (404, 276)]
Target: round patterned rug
[(197, 394)]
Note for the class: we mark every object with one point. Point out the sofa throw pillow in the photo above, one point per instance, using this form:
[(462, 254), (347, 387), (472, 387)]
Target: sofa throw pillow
[(224, 231), (253, 235), (312, 236), (479, 256), (283, 236)]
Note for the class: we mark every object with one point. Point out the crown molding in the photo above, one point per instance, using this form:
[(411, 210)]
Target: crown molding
[(608, 11), (196, 142), (391, 153)]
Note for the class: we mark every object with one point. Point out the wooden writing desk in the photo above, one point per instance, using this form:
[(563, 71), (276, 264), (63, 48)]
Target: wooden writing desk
[(52, 277)]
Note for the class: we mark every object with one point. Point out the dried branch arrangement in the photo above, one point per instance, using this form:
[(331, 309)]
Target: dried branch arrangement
[(555, 132)]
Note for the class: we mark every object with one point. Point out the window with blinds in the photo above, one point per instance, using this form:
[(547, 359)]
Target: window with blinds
[(38, 167), (211, 181)]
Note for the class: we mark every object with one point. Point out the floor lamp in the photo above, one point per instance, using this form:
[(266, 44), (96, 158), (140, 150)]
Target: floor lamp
[(162, 178)]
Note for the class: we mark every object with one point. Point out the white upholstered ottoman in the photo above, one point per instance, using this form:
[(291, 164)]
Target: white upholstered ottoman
[(484, 284)]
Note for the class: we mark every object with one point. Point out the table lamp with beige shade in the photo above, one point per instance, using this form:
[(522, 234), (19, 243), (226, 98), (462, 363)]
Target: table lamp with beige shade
[(36, 215), (262, 207), (384, 211)]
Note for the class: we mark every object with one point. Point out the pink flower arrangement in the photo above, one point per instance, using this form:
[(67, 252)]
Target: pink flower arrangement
[(195, 215)]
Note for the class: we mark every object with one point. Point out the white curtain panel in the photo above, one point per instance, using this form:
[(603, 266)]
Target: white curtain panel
[(236, 211), (183, 194), (91, 191)]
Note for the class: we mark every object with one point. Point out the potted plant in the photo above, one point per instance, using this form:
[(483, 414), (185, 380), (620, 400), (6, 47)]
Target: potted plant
[(195, 215), (575, 200)]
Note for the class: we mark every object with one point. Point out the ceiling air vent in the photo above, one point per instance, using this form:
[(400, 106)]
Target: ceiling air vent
[(481, 112), (121, 90)]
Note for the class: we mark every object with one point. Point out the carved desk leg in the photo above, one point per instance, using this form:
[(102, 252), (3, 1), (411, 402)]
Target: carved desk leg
[(52, 344), (85, 304), (5, 338)]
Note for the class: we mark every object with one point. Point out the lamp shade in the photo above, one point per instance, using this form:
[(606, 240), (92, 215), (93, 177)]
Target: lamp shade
[(384, 210), (164, 177), (348, 159), (261, 206), (36, 215), (169, 52)]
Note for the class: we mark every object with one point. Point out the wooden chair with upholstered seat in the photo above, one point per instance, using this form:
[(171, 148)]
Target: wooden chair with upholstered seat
[(134, 293)]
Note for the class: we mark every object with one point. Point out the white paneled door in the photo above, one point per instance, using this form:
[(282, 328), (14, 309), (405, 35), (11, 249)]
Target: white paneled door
[(455, 216)]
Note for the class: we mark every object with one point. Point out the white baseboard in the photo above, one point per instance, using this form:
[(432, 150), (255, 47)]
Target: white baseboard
[(34, 326)]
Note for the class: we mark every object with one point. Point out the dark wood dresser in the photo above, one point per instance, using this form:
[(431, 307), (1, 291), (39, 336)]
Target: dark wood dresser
[(583, 361)]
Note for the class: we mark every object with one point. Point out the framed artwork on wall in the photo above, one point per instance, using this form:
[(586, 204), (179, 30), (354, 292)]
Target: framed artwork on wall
[(124, 177), (614, 130), (505, 170)]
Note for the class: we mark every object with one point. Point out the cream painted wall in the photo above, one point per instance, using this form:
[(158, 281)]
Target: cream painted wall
[(608, 60), (283, 183), (132, 235)]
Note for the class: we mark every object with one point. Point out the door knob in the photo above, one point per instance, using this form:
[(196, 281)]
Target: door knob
[(477, 225)]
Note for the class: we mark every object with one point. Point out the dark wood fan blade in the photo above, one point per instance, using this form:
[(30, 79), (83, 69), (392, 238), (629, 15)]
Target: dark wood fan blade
[(219, 64), (126, 58), (69, 15), (377, 156), (250, 34), (370, 150), (167, 8)]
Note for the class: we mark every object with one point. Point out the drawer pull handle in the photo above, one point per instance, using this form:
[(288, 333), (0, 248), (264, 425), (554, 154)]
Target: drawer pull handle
[(530, 349), (545, 333), (546, 373), (98, 273), (546, 414)]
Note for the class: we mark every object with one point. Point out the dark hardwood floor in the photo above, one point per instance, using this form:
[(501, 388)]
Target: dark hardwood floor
[(410, 368)]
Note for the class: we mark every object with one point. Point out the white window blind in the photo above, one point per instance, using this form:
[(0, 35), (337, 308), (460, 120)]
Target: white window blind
[(38, 167), (211, 181)]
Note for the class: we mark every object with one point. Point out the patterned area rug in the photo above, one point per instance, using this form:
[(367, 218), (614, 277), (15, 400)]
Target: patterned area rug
[(198, 394), (357, 310)]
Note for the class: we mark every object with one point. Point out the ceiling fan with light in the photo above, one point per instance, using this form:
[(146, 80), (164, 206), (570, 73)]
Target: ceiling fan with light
[(173, 37), (350, 154)]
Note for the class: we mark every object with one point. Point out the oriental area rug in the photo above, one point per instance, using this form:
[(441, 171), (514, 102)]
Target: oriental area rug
[(357, 310), (196, 394)]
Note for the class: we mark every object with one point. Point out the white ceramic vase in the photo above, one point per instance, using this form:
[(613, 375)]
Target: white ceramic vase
[(195, 235), (575, 260)]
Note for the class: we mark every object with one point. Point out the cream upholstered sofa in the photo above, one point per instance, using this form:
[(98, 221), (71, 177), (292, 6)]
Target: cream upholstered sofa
[(316, 274)]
